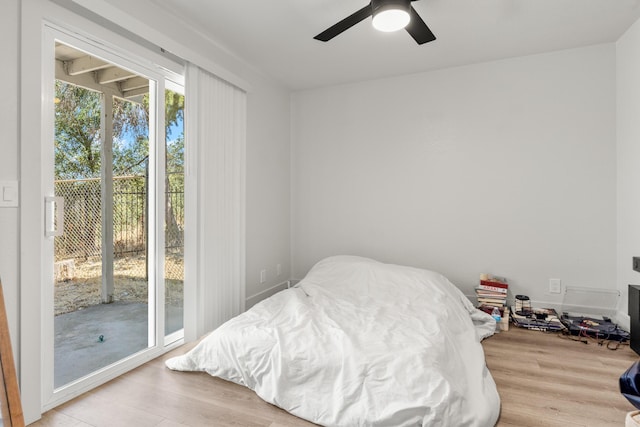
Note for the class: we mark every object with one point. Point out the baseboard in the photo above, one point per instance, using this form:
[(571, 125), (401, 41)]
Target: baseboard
[(256, 298), (293, 282), (623, 320)]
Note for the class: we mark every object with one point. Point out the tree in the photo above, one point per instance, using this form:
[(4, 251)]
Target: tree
[(174, 109), (78, 140), (174, 164), (77, 155), (77, 132), (130, 136)]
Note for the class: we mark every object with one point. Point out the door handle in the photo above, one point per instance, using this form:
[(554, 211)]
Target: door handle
[(53, 216)]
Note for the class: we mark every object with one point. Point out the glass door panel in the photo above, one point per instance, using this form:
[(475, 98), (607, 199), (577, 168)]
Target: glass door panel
[(174, 211), (102, 260)]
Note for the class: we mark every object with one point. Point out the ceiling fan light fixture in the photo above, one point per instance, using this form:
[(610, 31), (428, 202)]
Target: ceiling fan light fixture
[(402, 14), (390, 15)]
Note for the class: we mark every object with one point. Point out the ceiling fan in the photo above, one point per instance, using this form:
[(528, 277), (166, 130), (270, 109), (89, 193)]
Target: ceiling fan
[(388, 15)]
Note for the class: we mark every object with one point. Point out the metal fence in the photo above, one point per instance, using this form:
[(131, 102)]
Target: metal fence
[(82, 236)]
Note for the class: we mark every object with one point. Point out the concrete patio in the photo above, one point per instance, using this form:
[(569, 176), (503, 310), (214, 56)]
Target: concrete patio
[(79, 350)]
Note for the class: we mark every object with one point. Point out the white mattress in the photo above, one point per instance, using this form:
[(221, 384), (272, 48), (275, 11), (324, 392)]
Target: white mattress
[(360, 343)]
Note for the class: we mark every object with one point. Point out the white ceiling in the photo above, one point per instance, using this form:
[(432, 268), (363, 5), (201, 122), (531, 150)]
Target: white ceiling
[(276, 36)]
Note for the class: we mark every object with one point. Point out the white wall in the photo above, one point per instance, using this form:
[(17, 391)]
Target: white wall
[(628, 155), (268, 195), (9, 163), (505, 167)]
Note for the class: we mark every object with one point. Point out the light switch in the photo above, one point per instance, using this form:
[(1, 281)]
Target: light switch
[(9, 194)]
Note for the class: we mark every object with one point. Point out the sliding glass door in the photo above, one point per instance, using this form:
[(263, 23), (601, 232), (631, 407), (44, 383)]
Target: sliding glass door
[(114, 215)]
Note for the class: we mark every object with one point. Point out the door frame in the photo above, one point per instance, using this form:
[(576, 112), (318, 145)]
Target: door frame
[(36, 17), (51, 397)]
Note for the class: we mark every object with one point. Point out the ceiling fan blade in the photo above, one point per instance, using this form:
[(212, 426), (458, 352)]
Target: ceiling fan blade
[(345, 24), (418, 29)]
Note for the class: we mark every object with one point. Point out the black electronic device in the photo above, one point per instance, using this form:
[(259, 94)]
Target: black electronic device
[(634, 317), (539, 319), (593, 327)]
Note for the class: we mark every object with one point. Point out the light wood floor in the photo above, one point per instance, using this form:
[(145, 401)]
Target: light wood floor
[(547, 380), (543, 380)]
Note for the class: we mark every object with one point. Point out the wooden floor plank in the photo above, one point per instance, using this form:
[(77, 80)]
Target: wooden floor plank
[(54, 418), (549, 380), (543, 380)]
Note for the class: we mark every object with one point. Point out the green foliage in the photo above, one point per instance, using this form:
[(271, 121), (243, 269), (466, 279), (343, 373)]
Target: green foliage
[(130, 137), (174, 109), (77, 133), (174, 114), (175, 155)]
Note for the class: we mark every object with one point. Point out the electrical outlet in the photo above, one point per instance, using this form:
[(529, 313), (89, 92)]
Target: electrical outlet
[(555, 286), (636, 264), (263, 276)]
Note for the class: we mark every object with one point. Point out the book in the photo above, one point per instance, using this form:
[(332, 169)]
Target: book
[(495, 302), (480, 291), (485, 292), (494, 295), (494, 283), (498, 290), (492, 298), (494, 286)]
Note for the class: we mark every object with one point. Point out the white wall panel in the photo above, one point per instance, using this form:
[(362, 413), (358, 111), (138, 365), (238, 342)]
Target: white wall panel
[(9, 163), (628, 156), (505, 167)]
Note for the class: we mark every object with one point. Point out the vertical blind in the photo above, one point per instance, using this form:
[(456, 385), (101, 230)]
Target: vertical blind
[(215, 126)]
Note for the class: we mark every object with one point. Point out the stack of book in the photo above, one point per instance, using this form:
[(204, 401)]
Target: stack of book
[(492, 293)]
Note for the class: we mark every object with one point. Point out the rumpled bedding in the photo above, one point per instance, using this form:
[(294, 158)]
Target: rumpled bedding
[(360, 343)]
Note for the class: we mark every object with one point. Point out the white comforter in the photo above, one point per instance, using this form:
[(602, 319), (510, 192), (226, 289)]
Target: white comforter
[(360, 343)]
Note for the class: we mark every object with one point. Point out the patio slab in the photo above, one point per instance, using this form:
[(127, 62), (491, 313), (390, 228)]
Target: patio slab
[(92, 338)]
